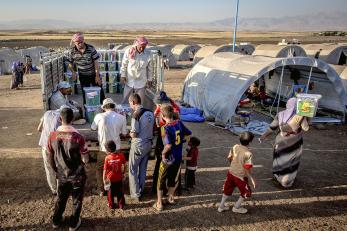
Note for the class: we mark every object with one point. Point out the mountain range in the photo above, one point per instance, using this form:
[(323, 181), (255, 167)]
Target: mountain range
[(312, 22)]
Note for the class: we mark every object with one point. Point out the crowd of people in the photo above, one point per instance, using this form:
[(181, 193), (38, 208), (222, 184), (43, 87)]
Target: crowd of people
[(65, 152)]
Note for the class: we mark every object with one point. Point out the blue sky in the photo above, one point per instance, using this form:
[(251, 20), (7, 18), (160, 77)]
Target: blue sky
[(124, 11)]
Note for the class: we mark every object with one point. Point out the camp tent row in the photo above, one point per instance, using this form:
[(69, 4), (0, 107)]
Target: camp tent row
[(184, 52), (216, 84), (7, 57), (205, 51), (34, 53), (331, 53)]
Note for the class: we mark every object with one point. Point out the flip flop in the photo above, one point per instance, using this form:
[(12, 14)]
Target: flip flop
[(171, 202), (156, 207)]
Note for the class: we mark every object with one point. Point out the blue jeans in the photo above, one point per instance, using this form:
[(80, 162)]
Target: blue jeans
[(138, 159)]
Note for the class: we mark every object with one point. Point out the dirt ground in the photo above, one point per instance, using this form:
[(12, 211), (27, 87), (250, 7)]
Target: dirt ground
[(318, 200), (56, 39)]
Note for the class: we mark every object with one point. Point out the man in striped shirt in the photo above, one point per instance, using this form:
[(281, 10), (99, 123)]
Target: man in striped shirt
[(86, 59)]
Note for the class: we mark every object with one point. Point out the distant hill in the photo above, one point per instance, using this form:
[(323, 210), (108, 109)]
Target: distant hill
[(312, 22)]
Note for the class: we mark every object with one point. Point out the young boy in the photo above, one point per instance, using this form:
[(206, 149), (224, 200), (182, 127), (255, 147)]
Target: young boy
[(192, 162), (173, 134), (114, 169), (239, 172)]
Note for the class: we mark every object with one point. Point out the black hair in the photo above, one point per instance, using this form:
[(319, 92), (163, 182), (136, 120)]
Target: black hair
[(66, 115), (246, 138), (135, 98), (262, 88), (110, 146), (195, 141)]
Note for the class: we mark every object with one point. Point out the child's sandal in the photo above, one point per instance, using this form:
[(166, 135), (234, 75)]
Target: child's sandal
[(158, 208)]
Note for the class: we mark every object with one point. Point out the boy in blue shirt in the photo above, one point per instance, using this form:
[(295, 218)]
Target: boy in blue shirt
[(173, 134)]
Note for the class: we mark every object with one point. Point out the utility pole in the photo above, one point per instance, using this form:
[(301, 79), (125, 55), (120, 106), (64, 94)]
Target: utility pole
[(235, 24)]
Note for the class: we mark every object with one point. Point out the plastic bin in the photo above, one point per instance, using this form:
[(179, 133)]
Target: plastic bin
[(91, 112), (307, 104), (113, 77), (112, 66), (92, 95), (102, 66), (112, 88)]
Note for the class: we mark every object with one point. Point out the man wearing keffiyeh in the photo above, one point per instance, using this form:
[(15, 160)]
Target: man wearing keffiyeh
[(137, 69), (86, 59)]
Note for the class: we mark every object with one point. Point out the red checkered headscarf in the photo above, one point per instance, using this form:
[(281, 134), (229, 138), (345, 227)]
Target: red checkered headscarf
[(78, 37), (141, 40)]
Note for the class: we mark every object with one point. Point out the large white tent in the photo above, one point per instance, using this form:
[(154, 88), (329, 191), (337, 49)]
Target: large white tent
[(7, 57), (205, 51), (183, 52), (279, 51), (342, 70), (209, 50), (34, 53), (216, 84), (165, 51), (120, 46), (331, 53)]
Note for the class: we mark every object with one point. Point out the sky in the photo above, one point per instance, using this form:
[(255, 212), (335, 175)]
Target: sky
[(135, 11)]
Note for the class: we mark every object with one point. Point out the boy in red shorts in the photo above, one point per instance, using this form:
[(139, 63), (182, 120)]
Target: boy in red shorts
[(114, 169), (239, 172)]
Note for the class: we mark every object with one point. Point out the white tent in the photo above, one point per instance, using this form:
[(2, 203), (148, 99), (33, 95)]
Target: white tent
[(216, 84), (279, 51), (34, 53), (7, 57), (185, 52), (205, 51), (209, 50), (166, 52), (246, 48), (120, 46), (343, 75), (331, 53), (167, 46)]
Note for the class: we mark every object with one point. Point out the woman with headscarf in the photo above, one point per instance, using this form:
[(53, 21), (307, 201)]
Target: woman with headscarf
[(86, 59), (136, 70), (288, 143)]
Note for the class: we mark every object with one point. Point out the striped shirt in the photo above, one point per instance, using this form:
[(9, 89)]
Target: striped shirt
[(85, 61)]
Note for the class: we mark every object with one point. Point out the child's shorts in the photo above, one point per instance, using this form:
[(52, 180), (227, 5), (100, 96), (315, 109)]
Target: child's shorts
[(232, 181), (167, 175)]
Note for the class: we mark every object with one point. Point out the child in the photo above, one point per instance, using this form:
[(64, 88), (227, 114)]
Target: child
[(114, 169), (239, 172), (192, 162), (173, 134)]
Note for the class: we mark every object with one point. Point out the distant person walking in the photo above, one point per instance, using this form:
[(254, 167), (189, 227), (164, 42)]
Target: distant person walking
[(86, 59), (67, 154), (17, 75), (136, 70)]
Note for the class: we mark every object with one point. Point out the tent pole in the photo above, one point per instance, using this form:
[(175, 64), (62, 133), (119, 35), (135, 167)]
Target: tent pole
[(280, 89), (309, 79), (235, 24)]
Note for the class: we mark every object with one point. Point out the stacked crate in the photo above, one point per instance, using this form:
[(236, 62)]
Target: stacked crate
[(109, 71)]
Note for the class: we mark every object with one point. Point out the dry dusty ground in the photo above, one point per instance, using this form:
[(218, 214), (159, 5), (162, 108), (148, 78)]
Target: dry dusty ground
[(318, 200), (54, 39)]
